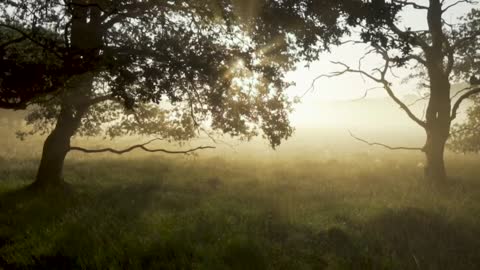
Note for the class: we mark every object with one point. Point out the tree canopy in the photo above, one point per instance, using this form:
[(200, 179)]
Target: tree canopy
[(170, 69), (218, 61)]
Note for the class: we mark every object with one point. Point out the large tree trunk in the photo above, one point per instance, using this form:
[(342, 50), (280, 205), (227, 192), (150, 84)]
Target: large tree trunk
[(75, 104), (438, 114), (55, 149), (85, 44), (437, 127), (434, 150)]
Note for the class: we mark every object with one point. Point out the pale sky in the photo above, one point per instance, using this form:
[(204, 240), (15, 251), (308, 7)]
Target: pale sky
[(319, 107)]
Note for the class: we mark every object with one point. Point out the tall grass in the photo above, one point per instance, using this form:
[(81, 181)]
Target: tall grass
[(358, 211)]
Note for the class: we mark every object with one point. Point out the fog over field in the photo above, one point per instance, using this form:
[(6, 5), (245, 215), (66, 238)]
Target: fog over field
[(320, 126), (240, 134)]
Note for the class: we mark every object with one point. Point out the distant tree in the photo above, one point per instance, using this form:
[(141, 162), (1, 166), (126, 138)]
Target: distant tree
[(438, 56), (165, 68)]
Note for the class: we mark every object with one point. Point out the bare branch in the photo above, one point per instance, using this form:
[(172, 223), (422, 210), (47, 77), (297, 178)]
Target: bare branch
[(384, 145), (457, 3), (408, 3), (417, 58), (461, 91), (386, 86), (312, 85), (138, 146), (462, 98)]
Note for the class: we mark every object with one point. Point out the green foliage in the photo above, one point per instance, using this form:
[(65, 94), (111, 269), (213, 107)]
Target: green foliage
[(171, 54), (467, 32), (181, 53), (465, 137)]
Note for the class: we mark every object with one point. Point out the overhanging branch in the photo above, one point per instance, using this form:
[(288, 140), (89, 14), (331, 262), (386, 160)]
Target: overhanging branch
[(139, 146), (384, 145)]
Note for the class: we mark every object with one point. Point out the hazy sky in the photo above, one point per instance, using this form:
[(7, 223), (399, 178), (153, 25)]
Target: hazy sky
[(328, 103)]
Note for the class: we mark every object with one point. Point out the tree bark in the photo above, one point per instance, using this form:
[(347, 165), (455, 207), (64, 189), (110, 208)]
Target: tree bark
[(438, 114), (437, 127), (76, 97), (55, 149), (75, 104), (435, 170)]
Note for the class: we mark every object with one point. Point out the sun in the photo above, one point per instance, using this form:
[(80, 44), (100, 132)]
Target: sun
[(239, 64)]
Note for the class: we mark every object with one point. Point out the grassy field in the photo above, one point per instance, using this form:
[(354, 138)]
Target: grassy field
[(355, 212)]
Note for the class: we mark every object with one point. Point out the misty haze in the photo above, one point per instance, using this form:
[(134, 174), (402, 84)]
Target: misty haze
[(239, 134)]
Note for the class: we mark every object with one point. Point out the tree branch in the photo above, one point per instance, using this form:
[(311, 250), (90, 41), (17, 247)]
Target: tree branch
[(384, 145), (20, 39), (461, 91), (407, 34), (462, 98), (408, 3), (386, 86), (456, 3), (459, 42), (99, 99), (138, 146), (27, 36)]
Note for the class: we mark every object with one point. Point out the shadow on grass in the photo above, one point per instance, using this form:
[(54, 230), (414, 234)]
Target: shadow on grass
[(98, 229), (403, 239), (71, 230), (23, 211), (411, 238)]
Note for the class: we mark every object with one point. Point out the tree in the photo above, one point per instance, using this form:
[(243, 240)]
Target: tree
[(466, 135), (436, 56), (163, 68)]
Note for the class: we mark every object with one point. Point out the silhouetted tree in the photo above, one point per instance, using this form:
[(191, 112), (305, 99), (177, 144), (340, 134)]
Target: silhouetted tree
[(163, 68), (439, 54), (466, 135)]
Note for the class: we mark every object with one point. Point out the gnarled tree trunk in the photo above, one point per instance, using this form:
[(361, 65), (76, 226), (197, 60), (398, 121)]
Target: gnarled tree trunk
[(55, 150), (85, 43), (74, 105)]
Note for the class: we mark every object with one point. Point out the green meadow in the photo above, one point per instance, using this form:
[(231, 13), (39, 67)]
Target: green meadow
[(370, 210)]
